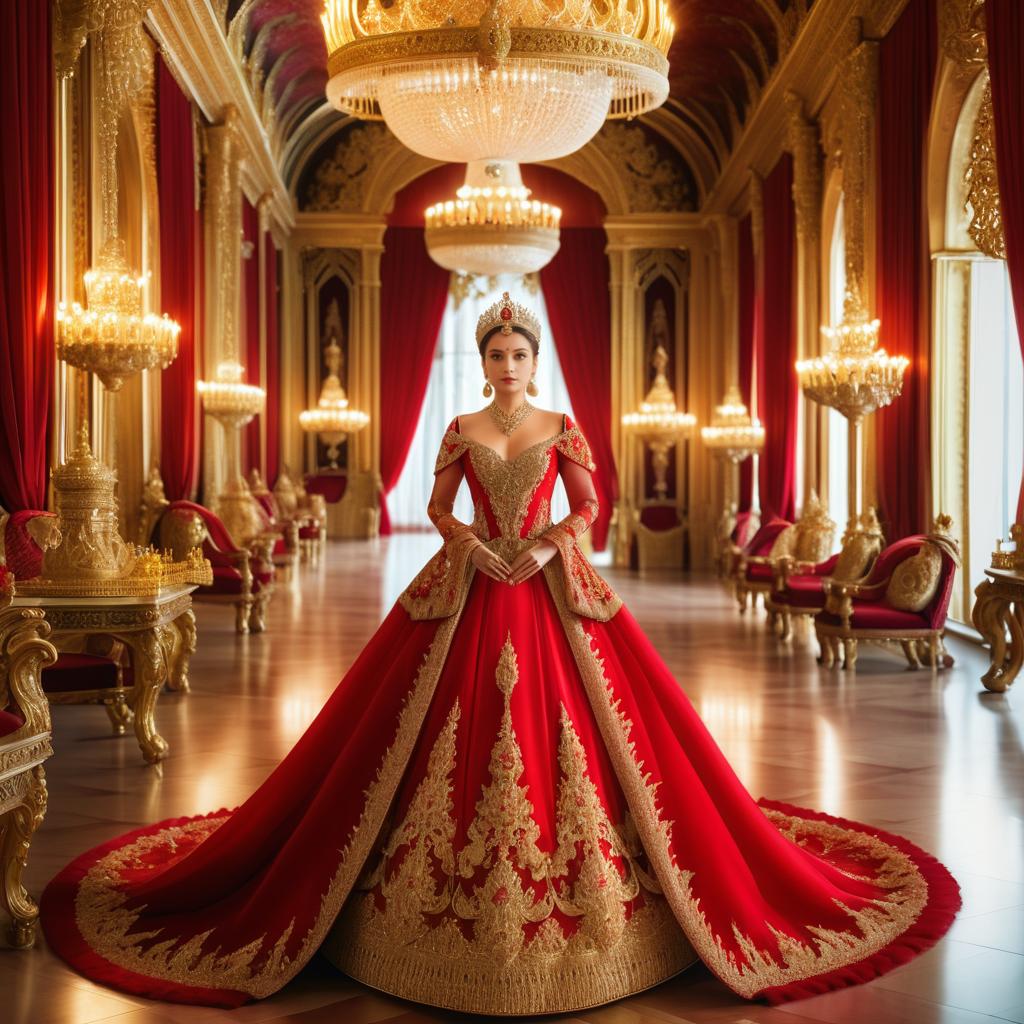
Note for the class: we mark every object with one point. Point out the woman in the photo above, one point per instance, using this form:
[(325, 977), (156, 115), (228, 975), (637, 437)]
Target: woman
[(508, 806)]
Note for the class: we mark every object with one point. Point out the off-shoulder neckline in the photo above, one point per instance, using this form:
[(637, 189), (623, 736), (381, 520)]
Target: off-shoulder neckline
[(510, 462)]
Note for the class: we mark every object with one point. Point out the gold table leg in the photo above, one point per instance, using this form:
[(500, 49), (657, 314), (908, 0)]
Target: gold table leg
[(184, 647), (997, 615), (16, 829), (148, 658)]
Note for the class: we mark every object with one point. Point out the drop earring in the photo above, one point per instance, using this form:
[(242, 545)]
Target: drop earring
[(488, 390), (532, 389)]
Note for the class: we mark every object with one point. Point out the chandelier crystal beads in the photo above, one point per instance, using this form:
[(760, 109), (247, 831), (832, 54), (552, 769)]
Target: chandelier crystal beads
[(527, 80), (227, 399), (492, 226), (856, 377), (112, 337), (733, 435), (332, 419)]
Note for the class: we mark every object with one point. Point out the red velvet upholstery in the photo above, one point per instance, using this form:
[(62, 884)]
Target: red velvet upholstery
[(879, 615), (72, 672), (762, 541), (218, 531), (759, 572), (267, 503), (801, 592), (10, 722), (660, 517), (309, 532), (227, 580), (741, 531), (23, 555), (330, 485)]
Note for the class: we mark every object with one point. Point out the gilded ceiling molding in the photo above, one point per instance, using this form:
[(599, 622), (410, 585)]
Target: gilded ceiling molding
[(858, 78), (803, 142), (703, 123), (239, 29), (340, 182), (694, 150), (653, 182), (749, 79), (763, 60), (192, 37)]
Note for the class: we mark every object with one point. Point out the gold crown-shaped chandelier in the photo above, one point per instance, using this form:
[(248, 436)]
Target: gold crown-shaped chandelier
[(527, 80), (113, 338), (492, 226), (857, 377), (733, 435)]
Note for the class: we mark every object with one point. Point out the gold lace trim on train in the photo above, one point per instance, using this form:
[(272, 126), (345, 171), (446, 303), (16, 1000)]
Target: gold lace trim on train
[(749, 969), (509, 941), (261, 966)]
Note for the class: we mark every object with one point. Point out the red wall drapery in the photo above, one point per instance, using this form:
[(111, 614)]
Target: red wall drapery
[(1004, 20), (179, 237), (906, 74), (747, 295), (575, 287), (273, 363), (413, 294), (778, 390), (250, 328), (26, 251)]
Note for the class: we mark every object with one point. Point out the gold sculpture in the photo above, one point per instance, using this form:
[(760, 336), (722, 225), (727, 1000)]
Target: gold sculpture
[(83, 552), (658, 423), (855, 378)]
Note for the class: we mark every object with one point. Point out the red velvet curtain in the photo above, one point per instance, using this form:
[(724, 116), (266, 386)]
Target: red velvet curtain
[(575, 287), (26, 252), (250, 327), (273, 363), (778, 390), (906, 73), (179, 239), (413, 294), (747, 295), (1004, 21)]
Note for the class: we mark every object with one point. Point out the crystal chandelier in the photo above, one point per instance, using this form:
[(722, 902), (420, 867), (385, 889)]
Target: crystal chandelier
[(332, 419), (492, 226), (113, 338), (527, 80), (856, 378), (733, 435), (227, 399), (658, 423)]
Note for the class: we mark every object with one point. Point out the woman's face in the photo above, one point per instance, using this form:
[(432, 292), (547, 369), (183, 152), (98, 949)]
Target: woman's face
[(509, 363)]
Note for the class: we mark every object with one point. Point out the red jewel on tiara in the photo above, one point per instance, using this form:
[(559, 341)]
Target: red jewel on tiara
[(506, 313)]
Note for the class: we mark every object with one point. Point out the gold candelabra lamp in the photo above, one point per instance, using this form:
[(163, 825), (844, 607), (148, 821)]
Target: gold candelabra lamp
[(332, 419), (112, 337), (658, 423), (855, 378), (732, 437), (233, 403)]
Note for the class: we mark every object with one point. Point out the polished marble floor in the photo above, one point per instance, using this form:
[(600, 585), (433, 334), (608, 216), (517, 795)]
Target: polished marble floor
[(932, 757)]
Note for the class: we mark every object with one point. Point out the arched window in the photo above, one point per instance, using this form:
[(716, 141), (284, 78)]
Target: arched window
[(456, 379), (977, 419)]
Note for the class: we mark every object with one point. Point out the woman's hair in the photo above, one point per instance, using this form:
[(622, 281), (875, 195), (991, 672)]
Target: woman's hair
[(534, 344)]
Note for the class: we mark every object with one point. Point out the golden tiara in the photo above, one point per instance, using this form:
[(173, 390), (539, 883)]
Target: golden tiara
[(507, 315)]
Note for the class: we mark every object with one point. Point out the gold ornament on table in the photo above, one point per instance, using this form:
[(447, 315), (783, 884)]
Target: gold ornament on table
[(1012, 559), (465, 80), (856, 378), (84, 553), (332, 419), (492, 226), (111, 336), (658, 423)]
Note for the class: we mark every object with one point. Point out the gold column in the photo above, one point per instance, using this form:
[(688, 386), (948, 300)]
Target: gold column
[(223, 233), (803, 142), (263, 210), (756, 190), (625, 393)]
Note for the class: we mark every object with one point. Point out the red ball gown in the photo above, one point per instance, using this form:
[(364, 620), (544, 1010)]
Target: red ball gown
[(508, 806)]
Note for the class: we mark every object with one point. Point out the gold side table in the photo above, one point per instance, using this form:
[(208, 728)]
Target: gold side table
[(999, 617), (159, 631)]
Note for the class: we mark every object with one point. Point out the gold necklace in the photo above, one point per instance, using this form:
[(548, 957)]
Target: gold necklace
[(508, 422)]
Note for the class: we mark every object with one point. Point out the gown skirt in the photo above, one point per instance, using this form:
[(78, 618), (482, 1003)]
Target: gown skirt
[(510, 810)]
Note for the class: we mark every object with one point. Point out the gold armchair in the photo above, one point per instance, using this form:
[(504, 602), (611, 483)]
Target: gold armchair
[(24, 746), (307, 511)]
